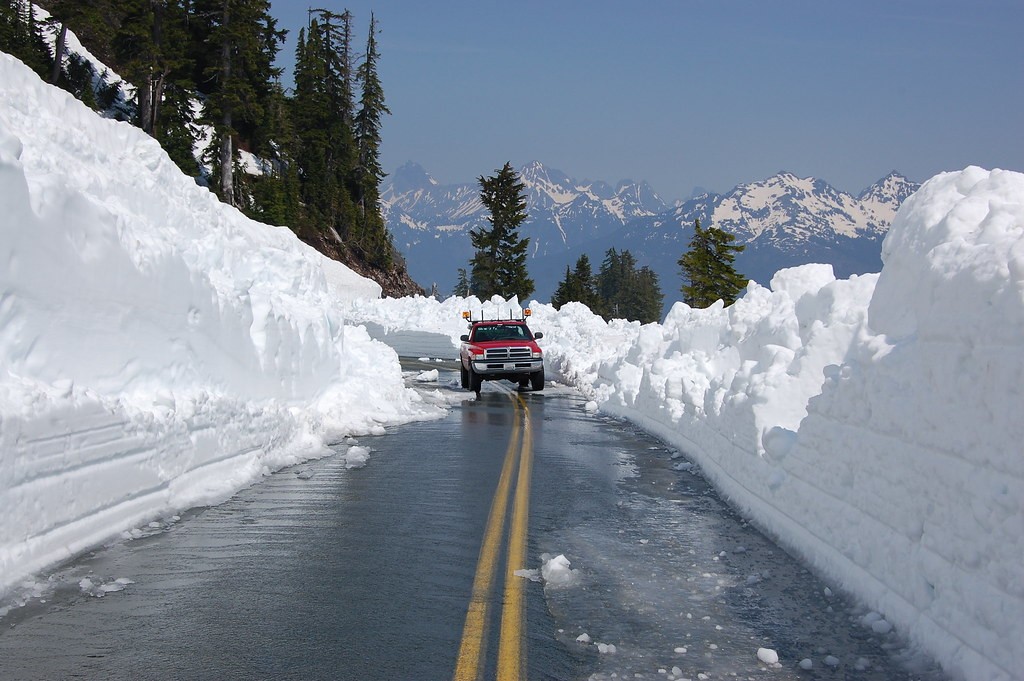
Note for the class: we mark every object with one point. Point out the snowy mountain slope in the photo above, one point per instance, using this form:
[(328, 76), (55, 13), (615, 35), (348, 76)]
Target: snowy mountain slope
[(783, 220), (158, 349)]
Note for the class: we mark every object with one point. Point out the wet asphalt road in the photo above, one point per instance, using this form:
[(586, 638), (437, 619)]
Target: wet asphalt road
[(323, 572)]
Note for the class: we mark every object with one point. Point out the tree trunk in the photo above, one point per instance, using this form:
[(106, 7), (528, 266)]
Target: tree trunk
[(58, 53), (144, 97), (227, 180), (157, 97)]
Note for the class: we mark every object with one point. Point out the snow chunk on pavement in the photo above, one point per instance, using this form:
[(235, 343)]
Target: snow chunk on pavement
[(356, 457), (767, 655), (557, 573)]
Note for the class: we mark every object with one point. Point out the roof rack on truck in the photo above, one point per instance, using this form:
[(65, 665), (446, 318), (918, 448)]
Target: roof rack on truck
[(513, 316)]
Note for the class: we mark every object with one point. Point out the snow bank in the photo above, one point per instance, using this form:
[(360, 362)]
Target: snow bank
[(158, 350), (872, 425)]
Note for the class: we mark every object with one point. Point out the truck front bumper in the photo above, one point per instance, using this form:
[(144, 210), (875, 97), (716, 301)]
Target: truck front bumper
[(495, 367)]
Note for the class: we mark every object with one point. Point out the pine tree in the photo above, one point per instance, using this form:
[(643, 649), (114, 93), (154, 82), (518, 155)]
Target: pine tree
[(462, 285), (616, 285), (499, 264), (625, 292), (238, 80), (371, 237), (20, 36), (565, 291), (150, 45), (579, 286), (648, 296), (707, 268)]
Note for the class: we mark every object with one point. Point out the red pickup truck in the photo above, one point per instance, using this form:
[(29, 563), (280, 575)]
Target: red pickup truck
[(501, 349)]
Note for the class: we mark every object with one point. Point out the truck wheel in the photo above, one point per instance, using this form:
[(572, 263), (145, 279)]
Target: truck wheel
[(475, 382), (537, 380), (464, 375)]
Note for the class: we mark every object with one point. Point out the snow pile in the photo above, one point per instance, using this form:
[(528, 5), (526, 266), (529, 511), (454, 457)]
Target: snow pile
[(158, 350), (873, 425)]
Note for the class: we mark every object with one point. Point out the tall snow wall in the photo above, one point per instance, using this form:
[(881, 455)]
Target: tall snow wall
[(158, 350), (874, 426)]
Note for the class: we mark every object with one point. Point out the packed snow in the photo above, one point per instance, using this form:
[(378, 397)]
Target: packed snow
[(160, 351)]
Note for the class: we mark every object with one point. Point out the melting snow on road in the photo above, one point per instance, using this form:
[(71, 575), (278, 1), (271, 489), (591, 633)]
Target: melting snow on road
[(159, 351)]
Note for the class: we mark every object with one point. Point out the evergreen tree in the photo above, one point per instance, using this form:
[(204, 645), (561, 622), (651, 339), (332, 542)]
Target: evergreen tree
[(20, 36), (238, 81), (371, 237), (150, 45), (322, 111), (499, 264), (626, 292), (462, 285), (565, 291), (579, 285), (707, 268), (648, 296), (616, 285)]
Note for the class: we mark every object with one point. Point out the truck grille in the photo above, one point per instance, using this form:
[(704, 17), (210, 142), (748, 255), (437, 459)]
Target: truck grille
[(507, 353)]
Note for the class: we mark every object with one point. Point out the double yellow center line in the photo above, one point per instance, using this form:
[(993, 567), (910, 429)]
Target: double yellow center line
[(511, 652)]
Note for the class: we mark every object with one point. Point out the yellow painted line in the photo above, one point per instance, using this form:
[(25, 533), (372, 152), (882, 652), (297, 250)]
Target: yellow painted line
[(511, 649), (471, 650)]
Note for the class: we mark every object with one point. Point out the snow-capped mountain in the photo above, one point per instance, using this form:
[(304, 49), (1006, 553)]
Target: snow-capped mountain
[(783, 220)]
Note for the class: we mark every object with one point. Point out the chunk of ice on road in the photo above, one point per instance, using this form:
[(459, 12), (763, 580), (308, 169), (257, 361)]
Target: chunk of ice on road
[(608, 648), (356, 457), (556, 571), (590, 406), (117, 585), (583, 638), (806, 663), (427, 376), (767, 655), (88, 586), (532, 575)]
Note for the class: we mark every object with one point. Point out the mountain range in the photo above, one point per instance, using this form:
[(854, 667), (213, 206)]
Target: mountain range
[(783, 221)]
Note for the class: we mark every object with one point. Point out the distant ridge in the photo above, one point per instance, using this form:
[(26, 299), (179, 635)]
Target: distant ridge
[(784, 220)]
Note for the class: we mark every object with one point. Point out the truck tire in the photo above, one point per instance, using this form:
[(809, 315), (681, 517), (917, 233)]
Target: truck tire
[(537, 380), (475, 382), (464, 375)]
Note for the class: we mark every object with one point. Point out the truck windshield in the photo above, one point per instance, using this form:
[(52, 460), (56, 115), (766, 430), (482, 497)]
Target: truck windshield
[(502, 332)]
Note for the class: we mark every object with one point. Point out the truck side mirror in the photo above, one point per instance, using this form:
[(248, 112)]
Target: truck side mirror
[(538, 335), (464, 337)]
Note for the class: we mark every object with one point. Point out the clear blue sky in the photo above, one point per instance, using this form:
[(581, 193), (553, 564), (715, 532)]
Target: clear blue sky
[(686, 93)]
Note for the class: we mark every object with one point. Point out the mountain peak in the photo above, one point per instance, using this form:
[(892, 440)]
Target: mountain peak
[(894, 188), (410, 177)]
